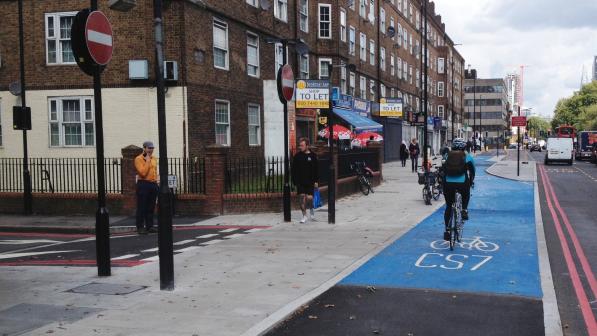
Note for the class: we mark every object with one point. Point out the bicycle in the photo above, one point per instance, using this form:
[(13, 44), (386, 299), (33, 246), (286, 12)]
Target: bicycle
[(427, 179), (438, 187), (363, 176), (456, 221)]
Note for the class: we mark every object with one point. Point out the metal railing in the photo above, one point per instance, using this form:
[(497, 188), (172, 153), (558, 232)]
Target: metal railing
[(60, 175), (190, 174), (254, 175), (361, 155)]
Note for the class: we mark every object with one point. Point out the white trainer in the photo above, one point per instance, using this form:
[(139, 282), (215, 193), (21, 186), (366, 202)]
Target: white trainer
[(303, 220)]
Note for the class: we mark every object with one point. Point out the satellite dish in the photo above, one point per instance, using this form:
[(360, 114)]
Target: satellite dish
[(264, 4), (15, 88), (391, 32), (351, 67)]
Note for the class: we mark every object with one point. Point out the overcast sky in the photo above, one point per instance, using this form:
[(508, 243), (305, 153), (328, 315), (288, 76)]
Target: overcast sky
[(554, 38)]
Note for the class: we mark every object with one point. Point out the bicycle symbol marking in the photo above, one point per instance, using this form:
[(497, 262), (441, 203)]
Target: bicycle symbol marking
[(474, 243)]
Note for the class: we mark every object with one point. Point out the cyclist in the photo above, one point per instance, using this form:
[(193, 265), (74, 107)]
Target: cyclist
[(459, 168)]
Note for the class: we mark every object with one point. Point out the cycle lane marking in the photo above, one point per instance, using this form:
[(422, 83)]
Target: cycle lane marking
[(498, 253)]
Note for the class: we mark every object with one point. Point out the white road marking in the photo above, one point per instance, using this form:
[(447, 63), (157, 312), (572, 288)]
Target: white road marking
[(150, 250), (228, 230), (126, 256), (236, 235), (18, 255), (190, 248), (211, 242), (154, 258), (30, 241), (99, 37), (254, 230), (207, 236), (183, 242)]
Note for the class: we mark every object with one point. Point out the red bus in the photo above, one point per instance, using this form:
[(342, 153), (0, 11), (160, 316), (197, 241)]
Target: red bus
[(565, 131)]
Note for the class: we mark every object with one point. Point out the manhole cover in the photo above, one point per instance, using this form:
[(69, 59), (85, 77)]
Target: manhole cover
[(106, 289)]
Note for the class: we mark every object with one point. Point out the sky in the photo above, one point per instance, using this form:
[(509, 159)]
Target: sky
[(553, 38)]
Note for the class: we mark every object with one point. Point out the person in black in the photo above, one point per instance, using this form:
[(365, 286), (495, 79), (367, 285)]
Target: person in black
[(414, 151), (305, 175), (403, 153)]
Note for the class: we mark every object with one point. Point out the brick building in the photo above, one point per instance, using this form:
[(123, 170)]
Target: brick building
[(224, 90)]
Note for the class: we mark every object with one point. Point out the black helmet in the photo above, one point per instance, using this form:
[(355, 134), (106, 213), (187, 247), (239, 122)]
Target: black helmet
[(458, 144)]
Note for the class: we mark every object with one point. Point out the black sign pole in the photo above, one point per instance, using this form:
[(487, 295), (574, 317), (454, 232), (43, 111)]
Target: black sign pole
[(102, 218), (286, 191), (166, 252), (27, 193), (332, 178), (426, 105)]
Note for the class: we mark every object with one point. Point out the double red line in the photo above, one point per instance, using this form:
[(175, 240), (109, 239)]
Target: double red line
[(555, 209)]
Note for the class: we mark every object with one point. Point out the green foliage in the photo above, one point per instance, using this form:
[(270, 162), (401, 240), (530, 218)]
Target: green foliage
[(579, 110), (535, 125)]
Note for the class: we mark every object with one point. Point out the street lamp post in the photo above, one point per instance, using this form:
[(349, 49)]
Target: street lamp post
[(426, 105), (332, 182)]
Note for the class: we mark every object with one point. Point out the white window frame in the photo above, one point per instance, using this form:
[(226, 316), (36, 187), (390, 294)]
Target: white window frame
[(392, 66), (372, 89), (258, 68), (363, 87), (304, 72), (343, 80), (58, 119), (382, 20), (382, 89), (399, 33), (352, 83), (258, 125), (304, 16), (254, 3), (382, 58), (279, 57), (320, 22), (352, 36), (399, 68), (342, 25), (320, 62), (228, 139), (351, 5), (372, 10), (363, 47), (440, 89), (440, 111), (56, 37), (371, 52), (281, 10), (363, 8), (441, 65), (222, 25)]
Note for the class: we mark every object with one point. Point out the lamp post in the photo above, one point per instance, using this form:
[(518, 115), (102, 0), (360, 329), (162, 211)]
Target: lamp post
[(27, 193), (426, 105)]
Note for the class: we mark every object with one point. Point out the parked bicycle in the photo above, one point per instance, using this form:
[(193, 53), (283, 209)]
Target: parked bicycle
[(364, 175), (432, 182)]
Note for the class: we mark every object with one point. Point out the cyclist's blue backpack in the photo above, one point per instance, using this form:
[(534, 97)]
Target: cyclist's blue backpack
[(456, 163), (316, 198)]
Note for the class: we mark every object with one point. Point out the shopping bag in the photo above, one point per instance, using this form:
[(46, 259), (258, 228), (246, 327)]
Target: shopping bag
[(316, 198)]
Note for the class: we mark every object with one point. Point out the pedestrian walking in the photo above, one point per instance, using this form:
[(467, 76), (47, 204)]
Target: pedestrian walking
[(305, 176), (403, 153), (414, 151), (147, 188)]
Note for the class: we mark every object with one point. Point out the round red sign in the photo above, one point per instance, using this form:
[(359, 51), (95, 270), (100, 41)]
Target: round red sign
[(287, 82), (98, 37)]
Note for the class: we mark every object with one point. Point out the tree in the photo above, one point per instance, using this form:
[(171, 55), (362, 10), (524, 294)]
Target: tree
[(578, 110), (535, 125)]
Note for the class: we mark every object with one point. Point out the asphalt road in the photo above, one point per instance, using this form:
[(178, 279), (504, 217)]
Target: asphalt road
[(569, 211), (127, 249)]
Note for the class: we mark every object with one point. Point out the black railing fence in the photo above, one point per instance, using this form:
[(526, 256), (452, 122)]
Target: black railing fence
[(254, 175), (346, 158), (190, 174), (60, 175)]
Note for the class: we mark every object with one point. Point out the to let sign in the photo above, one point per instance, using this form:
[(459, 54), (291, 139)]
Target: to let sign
[(519, 121), (312, 94), (390, 107)]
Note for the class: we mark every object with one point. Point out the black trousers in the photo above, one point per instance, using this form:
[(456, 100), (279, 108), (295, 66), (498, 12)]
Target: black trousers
[(450, 196), (147, 193), (414, 163)]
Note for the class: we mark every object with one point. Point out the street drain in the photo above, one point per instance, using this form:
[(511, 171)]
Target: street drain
[(106, 289)]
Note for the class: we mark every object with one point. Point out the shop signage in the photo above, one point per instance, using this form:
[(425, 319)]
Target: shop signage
[(311, 93), (362, 107), (343, 101), (390, 107)]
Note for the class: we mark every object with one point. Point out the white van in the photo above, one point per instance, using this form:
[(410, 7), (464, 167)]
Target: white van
[(559, 150)]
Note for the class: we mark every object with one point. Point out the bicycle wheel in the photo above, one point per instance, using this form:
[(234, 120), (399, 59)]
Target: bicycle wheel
[(363, 185), (436, 192), (453, 228), (427, 195)]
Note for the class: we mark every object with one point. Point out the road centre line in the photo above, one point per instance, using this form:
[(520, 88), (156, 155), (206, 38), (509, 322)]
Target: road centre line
[(126, 256), (577, 246), (574, 275), (183, 242), (207, 236)]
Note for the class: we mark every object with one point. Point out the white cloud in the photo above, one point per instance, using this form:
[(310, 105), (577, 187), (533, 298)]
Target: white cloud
[(554, 38)]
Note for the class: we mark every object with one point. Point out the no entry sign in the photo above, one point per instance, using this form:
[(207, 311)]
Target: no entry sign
[(285, 83), (98, 37)]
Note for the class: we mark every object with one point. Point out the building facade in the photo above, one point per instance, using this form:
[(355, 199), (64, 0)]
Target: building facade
[(486, 106), (223, 57)]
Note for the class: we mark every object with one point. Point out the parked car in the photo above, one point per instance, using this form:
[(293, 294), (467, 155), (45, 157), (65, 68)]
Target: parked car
[(535, 147), (594, 153), (559, 150), (512, 146)]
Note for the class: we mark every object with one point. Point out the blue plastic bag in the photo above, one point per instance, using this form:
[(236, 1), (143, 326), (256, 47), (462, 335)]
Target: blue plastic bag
[(316, 198)]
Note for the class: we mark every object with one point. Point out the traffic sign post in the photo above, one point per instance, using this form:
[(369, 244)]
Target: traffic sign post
[(91, 38), (285, 81)]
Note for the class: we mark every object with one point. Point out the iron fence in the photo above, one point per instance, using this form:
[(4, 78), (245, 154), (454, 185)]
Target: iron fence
[(60, 175), (254, 175), (362, 155), (190, 174)]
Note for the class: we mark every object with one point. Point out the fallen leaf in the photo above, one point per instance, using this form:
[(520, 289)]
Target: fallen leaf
[(330, 306), (313, 317)]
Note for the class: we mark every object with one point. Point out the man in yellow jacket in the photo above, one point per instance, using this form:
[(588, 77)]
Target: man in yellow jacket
[(147, 188)]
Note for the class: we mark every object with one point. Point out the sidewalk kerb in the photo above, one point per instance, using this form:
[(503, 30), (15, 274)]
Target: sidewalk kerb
[(551, 314), (283, 313)]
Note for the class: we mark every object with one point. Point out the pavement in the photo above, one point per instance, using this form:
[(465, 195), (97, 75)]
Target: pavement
[(251, 284)]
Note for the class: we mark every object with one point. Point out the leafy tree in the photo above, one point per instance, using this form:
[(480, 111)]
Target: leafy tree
[(578, 110), (535, 125)]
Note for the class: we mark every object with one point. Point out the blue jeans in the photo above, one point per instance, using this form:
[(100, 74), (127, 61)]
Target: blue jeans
[(147, 193)]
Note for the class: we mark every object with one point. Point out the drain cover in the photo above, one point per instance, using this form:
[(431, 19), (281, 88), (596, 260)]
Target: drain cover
[(26, 317), (106, 289)]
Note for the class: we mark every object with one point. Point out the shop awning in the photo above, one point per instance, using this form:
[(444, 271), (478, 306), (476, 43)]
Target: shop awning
[(359, 123)]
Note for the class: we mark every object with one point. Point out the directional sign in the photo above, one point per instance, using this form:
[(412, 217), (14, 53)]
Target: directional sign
[(285, 83), (390, 107), (98, 36), (312, 94), (519, 121)]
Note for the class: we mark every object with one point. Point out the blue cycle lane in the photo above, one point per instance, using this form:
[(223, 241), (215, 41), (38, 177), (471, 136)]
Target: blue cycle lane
[(492, 275)]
